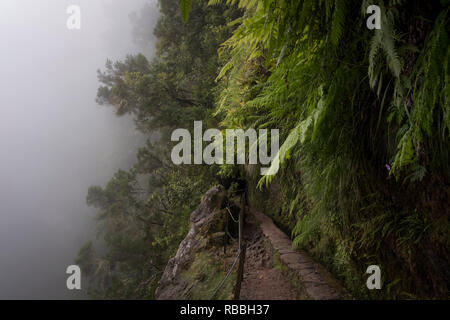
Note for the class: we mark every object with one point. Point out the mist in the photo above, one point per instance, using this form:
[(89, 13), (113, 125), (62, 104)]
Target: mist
[(55, 141)]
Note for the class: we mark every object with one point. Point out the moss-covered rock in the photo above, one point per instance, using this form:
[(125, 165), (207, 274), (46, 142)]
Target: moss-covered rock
[(199, 264)]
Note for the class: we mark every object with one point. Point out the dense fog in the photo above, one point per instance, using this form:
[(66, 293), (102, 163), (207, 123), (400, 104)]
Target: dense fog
[(55, 141)]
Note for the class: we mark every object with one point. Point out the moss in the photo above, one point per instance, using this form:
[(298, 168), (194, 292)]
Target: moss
[(289, 274), (270, 201), (205, 274)]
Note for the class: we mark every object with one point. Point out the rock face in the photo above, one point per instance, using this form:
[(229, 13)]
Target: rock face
[(181, 275)]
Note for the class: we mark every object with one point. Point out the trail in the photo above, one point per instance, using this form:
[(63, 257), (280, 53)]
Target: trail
[(262, 281), (275, 271)]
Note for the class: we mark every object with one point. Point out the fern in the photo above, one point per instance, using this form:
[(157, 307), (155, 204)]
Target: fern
[(298, 134), (383, 40), (338, 21), (185, 8)]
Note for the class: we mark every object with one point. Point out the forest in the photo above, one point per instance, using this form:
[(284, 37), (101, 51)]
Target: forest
[(364, 122)]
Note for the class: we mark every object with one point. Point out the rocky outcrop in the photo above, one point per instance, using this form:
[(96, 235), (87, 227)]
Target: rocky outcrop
[(194, 267)]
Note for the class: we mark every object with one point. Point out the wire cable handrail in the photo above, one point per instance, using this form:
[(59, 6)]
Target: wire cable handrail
[(227, 275), (231, 215), (238, 221)]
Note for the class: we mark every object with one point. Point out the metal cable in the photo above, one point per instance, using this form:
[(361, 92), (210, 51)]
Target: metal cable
[(231, 215), (229, 234), (226, 277), (234, 262)]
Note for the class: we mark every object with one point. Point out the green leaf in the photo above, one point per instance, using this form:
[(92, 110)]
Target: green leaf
[(185, 7), (338, 21)]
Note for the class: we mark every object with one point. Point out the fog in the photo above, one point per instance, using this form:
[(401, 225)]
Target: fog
[(54, 140)]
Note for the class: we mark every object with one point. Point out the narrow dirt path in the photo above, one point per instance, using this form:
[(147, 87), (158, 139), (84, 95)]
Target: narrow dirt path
[(262, 281), (275, 271)]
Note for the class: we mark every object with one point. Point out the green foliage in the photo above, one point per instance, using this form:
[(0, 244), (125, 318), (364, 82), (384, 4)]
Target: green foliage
[(144, 212), (364, 118), (175, 88), (185, 7), (350, 102), (384, 39)]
